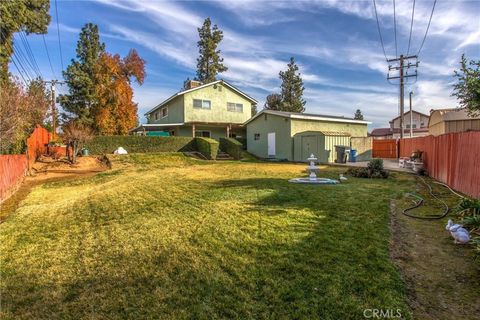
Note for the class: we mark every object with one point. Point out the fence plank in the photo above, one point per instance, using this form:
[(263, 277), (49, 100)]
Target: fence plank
[(13, 169), (385, 148)]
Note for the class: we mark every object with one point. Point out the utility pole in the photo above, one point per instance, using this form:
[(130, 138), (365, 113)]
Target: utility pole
[(403, 64), (411, 115), (53, 84)]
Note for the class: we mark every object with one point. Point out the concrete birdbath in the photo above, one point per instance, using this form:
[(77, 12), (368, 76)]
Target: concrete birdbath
[(312, 177)]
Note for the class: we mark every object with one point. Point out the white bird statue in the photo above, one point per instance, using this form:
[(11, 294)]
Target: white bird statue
[(342, 177), (120, 150), (460, 234)]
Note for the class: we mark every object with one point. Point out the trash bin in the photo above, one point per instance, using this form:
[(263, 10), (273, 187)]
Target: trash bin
[(85, 152), (352, 156), (341, 153)]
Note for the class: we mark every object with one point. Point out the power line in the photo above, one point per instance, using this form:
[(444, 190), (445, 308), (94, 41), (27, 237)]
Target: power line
[(21, 65), (395, 28), (18, 69), (58, 33), (24, 57), (29, 52), (411, 27), (379, 32), (48, 56), (428, 27)]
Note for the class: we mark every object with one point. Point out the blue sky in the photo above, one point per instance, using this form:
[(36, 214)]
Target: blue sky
[(335, 43)]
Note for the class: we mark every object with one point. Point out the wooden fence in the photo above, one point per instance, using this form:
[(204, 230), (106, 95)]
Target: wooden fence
[(37, 143), (13, 168), (384, 148), (452, 158)]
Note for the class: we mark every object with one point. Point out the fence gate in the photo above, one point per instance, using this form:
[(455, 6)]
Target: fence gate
[(385, 148)]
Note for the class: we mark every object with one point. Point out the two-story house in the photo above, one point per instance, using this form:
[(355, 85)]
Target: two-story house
[(216, 109), (415, 122)]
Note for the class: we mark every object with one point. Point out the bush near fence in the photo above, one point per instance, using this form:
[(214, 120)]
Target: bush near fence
[(140, 144), (13, 169), (208, 147), (232, 147), (451, 158)]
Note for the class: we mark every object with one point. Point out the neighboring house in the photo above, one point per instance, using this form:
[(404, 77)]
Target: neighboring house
[(418, 124), (294, 136), (213, 110), (451, 120)]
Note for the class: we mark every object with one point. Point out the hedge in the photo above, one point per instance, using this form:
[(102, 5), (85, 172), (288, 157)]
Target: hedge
[(140, 144), (208, 147), (232, 147), (243, 141)]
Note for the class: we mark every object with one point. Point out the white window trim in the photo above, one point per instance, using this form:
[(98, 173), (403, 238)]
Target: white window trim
[(235, 107), (202, 100)]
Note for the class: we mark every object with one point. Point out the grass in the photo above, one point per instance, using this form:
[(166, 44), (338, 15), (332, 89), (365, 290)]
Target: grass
[(164, 236)]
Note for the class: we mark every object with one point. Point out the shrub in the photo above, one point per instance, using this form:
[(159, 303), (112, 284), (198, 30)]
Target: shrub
[(232, 147), (208, 147), (243, 141), (140, 144), (373, 170)]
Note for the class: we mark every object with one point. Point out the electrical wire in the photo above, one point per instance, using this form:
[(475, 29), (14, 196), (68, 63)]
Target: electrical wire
[(58, 33), (29, 53), (48, 56), (411, 28), (395, 28), (428, 27), (24, 57), (379, 32), (18, 69)]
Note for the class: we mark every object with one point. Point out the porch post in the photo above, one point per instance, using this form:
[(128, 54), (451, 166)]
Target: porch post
[(193, 130), (228, 130)]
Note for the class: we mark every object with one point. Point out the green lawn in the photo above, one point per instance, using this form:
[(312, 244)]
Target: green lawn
[(164, 236)]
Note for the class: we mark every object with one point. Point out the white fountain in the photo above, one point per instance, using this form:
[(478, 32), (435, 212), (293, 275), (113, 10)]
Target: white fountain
[(312, 177)]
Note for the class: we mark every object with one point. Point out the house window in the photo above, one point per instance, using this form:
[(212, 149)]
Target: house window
[(164, 112), (235, 107), (422, 124), (202, 104), (202, 133), (156, 115), (256, 136), (408, 126), (414, 126)]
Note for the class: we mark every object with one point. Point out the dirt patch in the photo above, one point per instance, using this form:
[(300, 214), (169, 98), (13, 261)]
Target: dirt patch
[(443, 279), (46, 170)]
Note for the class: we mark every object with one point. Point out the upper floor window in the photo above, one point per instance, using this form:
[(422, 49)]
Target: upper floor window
[(422, 124), (236, 107), (414, 126), (156, 115), (164, 112), (408, 126), (202, 104), (256, 136)]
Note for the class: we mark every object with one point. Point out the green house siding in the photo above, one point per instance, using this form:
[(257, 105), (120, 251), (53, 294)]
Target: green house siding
[(321, 145), (354, 129), (175, 112), (218, 95), (263, 125)]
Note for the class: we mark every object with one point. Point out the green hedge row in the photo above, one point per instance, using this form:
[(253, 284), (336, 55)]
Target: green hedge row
[(232, 147), (140, 144), (208, 147)]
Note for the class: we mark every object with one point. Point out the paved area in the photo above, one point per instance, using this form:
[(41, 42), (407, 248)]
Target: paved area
[(389, 164)]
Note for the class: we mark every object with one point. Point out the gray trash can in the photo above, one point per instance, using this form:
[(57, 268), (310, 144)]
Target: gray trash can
[(342, 152)]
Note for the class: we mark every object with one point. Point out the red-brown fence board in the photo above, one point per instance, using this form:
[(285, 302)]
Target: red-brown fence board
[(12, 171), (37, 143), (452, 158), (384, 148)]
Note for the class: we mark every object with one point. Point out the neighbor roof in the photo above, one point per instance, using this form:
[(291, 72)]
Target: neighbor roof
[(201, 87), (307, 116), (405, 113), (450, 114), (380, 132)]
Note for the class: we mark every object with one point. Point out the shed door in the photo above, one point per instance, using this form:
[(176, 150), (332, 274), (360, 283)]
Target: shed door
[(309, 146), (271, 144)]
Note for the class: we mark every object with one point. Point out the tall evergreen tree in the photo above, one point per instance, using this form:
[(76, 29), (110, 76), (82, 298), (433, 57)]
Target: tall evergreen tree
[(358, 115), (467, 89), (209, 62), (30, 16), (273, 102), (80, 77), (292, 89)]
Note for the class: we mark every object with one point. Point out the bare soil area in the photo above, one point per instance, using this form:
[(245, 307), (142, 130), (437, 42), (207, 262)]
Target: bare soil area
[(443, 279)]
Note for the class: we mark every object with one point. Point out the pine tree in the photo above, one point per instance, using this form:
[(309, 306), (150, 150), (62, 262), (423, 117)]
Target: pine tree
[(273, 102), (209, 62), (292, 89), (358, 115), (29, 16), (80, 77), (467, 89)]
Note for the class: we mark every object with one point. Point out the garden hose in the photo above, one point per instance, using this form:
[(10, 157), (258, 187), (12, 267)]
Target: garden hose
[(421, 201)]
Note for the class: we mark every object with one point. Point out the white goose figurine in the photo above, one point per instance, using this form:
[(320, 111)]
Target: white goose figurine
[(342, 177), (460, 234)]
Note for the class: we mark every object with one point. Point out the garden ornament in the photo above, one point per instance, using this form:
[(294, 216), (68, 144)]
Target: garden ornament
[(460, 234)]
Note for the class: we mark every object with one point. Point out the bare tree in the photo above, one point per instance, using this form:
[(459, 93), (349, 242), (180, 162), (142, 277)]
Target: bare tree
[(75, 135)]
